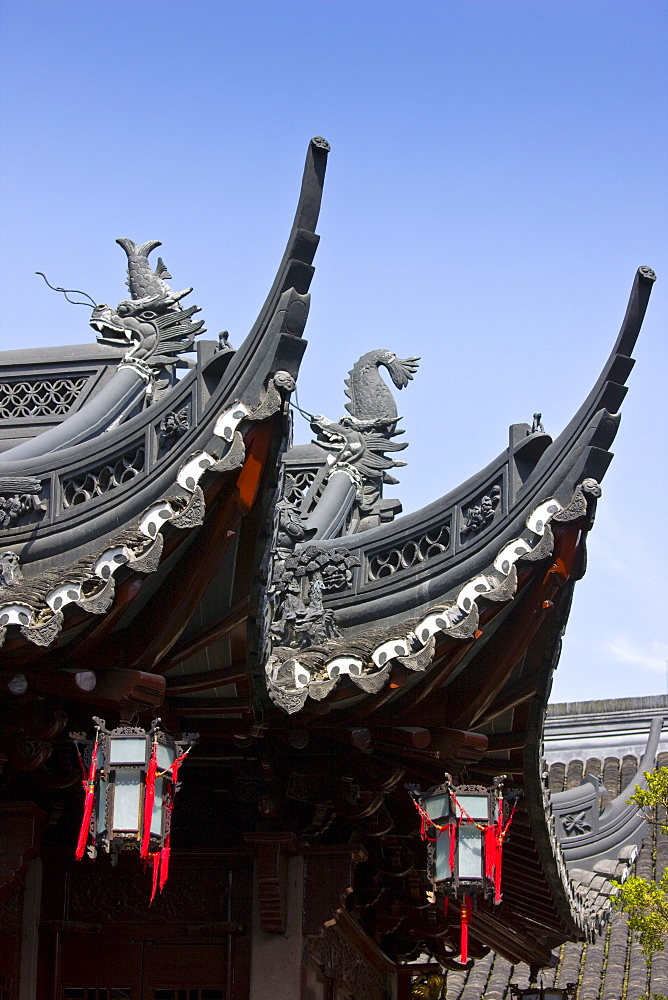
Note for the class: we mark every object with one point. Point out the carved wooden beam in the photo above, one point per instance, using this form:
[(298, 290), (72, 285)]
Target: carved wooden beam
[(506, 741), (235, 616), (223, 706), (106, 688), (461, 744), (405, 736), (446, 747), (511, 697), (271, 852), (191, 683)]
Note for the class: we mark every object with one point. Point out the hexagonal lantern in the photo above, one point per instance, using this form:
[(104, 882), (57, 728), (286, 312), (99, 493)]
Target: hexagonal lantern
[(131, 778), (465, 826)]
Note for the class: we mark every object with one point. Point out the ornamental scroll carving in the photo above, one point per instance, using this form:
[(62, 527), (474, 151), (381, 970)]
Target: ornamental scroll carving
[(299, 618), (172, 427), (297, 484), (575, 823)]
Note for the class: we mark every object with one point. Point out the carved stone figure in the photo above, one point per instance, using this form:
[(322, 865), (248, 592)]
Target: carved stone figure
[(173, 426), (10, 569), (362, 438), (482, 514), (299, 618), (224, 341), (19, 497)]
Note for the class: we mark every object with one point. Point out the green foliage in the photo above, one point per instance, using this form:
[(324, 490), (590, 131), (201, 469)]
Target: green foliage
[(645, 902), (646, 906), (653, 800)]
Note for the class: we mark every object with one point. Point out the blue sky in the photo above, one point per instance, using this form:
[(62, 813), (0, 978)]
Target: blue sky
[(498, 172)]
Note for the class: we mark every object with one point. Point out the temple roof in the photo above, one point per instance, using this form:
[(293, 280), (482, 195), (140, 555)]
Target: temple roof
[(164, 531)]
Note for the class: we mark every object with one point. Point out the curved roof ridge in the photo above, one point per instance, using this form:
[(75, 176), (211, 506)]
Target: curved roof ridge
[(607, 705)]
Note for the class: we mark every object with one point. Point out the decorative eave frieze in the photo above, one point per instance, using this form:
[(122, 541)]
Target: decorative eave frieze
[(367, 658), (37, 605)]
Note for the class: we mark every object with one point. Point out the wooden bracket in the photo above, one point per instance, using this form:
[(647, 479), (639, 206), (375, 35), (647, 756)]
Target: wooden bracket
[(271, 852)]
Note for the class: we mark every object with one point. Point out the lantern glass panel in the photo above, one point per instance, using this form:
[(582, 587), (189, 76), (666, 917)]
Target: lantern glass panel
[(469, 852), (127, 798), (156, 815), (438, 807), (165, 757), (535, 994), (553, 994), (127, 750), (475, 805), (101, 806), (442, 868)]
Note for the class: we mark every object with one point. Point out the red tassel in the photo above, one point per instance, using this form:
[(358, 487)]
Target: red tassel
[(493, 855), (465, 917), (501, 833), (89, 786), (164, 865), (155, 861), (446, 905), (175, 767), (490, 851), (497, 876), (452, 830), (149, 799)]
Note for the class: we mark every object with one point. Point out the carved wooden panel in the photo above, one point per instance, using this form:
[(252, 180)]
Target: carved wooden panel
[(122, 896), (343, 964)]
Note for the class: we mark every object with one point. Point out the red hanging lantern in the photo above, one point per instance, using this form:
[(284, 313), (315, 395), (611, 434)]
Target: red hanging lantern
[(130, 780), (465, 827)]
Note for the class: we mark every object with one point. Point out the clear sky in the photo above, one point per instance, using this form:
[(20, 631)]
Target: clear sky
[(498, 172)]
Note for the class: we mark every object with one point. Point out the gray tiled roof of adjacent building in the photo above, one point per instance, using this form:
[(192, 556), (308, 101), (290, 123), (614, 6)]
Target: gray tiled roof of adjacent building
[(613, 967)]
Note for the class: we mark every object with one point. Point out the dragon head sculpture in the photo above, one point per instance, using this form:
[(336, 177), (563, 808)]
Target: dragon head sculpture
[(151, 324)]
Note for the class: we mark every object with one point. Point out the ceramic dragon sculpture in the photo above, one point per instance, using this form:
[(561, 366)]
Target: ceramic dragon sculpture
[(151, 323), (360, 438), (302, 573)]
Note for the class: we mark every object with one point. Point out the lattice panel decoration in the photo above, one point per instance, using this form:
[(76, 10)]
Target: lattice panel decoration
[(410, 553), (39, 397), (5, 987), (84, 486), (297, 484)]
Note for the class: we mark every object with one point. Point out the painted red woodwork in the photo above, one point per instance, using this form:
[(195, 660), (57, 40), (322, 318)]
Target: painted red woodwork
[(257, 450)]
